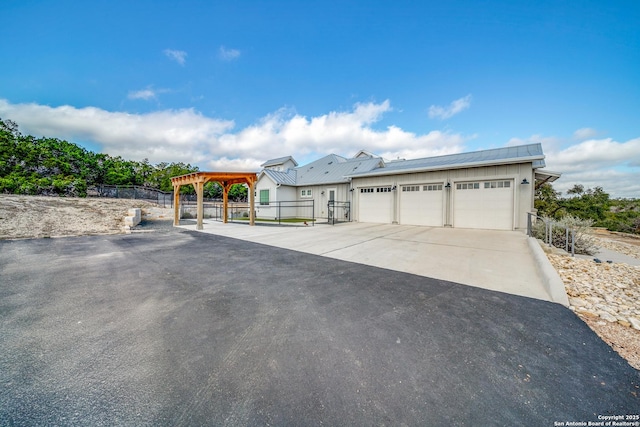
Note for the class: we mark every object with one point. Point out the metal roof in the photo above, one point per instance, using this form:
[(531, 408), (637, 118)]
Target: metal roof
[(278, 161), (546, 176), (337, 169), (334, 169), (517, 154), (286, 178)]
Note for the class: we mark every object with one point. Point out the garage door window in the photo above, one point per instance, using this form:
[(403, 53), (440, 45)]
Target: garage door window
[(468, 186), (497, 184), (432, 187), (411, 188), (376, 190)]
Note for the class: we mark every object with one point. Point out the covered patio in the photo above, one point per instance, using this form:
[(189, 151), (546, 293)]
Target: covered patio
[(225, 179)]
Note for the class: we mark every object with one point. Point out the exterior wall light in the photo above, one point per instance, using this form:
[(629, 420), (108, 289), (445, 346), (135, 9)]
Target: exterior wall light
[(525, 182), (448, 186)]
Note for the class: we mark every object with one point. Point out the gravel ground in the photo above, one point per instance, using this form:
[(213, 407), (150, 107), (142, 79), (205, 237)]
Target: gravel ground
[(606, 296), (594, 289)]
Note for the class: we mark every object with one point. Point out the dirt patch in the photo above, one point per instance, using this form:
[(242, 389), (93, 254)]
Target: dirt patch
[(37, 216), (624, 238)]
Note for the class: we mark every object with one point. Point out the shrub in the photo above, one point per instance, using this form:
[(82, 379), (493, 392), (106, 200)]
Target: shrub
[(584, 243)]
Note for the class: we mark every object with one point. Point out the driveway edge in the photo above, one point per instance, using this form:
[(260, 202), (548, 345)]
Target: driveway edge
[(550, 277)]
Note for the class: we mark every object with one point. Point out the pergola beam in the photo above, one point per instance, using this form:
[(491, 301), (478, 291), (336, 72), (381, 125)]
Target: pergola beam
[(226, 180)]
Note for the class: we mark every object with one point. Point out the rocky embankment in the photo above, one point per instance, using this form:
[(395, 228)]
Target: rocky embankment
[(606, 296), (24, 217)]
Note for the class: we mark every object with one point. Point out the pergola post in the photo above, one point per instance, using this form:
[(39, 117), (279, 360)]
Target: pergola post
[(226, 186), (199, 186), (252, 198), (176, 205)]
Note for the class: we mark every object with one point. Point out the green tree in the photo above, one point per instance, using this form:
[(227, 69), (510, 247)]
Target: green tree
[(547, 201)]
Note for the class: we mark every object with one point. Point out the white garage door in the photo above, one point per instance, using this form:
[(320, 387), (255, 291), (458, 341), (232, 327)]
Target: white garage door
[(483, 204), (421, 205), (375, 204)]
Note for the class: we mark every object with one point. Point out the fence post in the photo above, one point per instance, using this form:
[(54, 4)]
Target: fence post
[(566, 240), (573, 240), (529, 224), (548, 232)]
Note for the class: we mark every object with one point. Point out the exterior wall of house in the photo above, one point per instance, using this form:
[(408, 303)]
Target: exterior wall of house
[(278, 196), (265, 211), (320, 196), (522, 193)]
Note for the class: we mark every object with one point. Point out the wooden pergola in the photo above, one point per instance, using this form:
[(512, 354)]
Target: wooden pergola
[(225, 179)]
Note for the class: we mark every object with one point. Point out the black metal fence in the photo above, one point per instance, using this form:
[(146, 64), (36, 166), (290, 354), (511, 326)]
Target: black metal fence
[(293, 212), (153, 195), (338, 212), (215, 210)]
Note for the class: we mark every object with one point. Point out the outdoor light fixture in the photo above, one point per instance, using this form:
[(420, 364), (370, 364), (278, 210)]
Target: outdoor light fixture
[(525, 182), (393, 188), (448, 185)]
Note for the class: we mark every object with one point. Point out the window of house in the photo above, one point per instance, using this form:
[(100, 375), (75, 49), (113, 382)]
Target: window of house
[(264, 197), (366, 190), (411, 188), (305, 193)]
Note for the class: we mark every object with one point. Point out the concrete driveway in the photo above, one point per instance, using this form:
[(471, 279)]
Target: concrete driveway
[(497, 260), (181, 328)]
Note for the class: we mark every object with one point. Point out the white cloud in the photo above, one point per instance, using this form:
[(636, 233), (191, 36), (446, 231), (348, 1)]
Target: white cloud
[(180, 56), (145, 94), (585, 133), (345, 133), (228, 54), (457, 106), (603, 162), (188, 136), (169, 135)]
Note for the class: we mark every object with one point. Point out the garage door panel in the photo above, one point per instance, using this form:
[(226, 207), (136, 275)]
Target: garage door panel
[(484, 204), (375, 205), (421, 205)]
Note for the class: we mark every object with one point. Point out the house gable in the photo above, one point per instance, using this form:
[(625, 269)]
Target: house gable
[(281, 164)]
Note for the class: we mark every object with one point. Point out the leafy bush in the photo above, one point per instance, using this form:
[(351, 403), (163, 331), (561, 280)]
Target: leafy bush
[(585, 243)]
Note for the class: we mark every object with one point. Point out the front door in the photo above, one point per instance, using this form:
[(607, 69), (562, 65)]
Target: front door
[(331, 198)]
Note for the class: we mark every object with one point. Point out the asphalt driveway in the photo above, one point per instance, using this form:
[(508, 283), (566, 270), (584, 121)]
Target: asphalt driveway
[(185, 328)]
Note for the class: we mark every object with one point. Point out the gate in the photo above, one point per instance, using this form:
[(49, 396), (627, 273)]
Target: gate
[(338, 212)]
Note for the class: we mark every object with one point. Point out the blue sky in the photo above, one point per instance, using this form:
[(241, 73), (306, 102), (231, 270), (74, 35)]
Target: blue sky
[(228, 85)]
